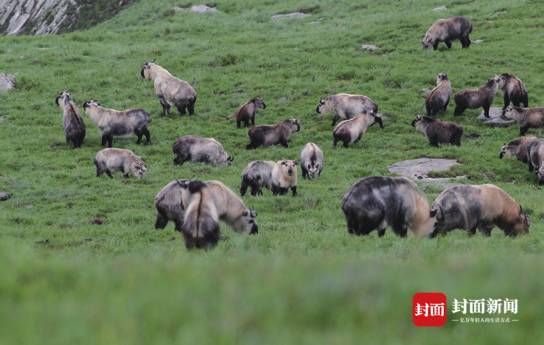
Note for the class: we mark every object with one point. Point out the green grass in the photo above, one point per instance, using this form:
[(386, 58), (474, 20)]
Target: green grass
[(302, 279)]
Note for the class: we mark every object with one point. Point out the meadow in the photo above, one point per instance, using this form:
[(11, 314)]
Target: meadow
[(303, 279)]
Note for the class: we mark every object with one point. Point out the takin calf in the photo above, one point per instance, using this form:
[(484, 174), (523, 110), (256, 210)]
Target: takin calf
[(526, 117), (514, 91), (268, 135), (478, 206), (518, 148), (110, 160), (476, 98), (171, 202), (439, 97), (535, 157), (344, 106), (74, 127), (246, 112), (198, 149), (437, 131), (210, 202), (169, 89), (112, 122), (377, 202), (311, 161), (448, 30), (351, 131)]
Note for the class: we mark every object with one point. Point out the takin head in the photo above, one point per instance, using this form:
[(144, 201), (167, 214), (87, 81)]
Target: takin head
[(64, 95)]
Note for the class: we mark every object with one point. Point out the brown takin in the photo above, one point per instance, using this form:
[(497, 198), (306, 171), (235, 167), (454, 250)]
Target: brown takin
[(257, 175), (448, 30), (169, 89), (74, 127), (514, 91), (209, 203), (110, 160), (198, 149), (438, 99), (376, 202), (311, 161), (246, 112), (476, 98), (268, 135), (344, 106), (437, 131), (526, 117), (171, 202), (518, 148), (472, 207), (351, 131)]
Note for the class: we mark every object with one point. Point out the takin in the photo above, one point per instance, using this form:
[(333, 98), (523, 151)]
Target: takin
[(198, 149), (344, 106), (268, 135), (526, 117), (439, 97), (518, 148), (246, 112), (111, 159), (448, 30), (351, 131), (284, 177), (376, 202), (311, 161), (476, 98), (74, 127), (478, 206), (169, 89), (112, 122), (256, 175), (210, 202), (437, 131), (535, 158), (171, 202), (514, 91)]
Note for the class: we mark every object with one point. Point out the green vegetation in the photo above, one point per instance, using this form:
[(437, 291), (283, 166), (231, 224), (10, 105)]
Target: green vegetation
[(302, 279)]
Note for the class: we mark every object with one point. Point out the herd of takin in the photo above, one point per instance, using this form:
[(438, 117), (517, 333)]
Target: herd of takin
[(373, 203)]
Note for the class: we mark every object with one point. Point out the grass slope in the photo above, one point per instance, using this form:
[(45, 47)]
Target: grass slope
[(303, 279)]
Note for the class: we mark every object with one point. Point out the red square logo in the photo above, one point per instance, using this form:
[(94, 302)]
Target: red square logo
[(429, 309)]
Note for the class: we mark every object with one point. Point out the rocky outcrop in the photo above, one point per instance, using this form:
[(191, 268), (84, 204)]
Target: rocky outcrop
[(39, 17)]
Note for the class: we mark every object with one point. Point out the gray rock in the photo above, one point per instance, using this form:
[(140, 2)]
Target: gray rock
[(7, 82), (369, 47), (421, 167), (440, 8), (292, 15), (477, 41), (4, 196), (495, 118), (203, 9)]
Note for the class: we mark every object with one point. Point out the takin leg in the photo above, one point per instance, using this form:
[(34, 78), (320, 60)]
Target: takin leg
[(304, 172), (523, 130), (238, 123), (283, 142), (139, 135), (191, 106), (486, 109), (485, 229), (448, 43), (294, 190), (253, 120), (108, 172), (446, 106), (165, 106), (247, 123), (147, 135), (99, 171), (458, 110), (182, 108), (506, 103)]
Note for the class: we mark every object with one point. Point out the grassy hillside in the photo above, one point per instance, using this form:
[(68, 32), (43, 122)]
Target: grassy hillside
[(302, 279)]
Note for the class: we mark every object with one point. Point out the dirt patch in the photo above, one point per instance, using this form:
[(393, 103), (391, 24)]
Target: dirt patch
[(98, 220), (440, 9), (495, 118), (420, 168)]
